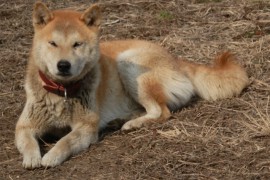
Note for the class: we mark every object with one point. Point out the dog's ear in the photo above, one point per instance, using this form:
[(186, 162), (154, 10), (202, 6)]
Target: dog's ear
[(92, 16), (41, 14)]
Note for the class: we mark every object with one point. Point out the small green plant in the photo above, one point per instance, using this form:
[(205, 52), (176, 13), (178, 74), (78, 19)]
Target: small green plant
[(165, 15)]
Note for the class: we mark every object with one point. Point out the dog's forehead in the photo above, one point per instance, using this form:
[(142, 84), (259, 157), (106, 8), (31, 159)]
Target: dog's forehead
[(67, 20), (65, 36), (66, 28), (66, 25), (66, 15)]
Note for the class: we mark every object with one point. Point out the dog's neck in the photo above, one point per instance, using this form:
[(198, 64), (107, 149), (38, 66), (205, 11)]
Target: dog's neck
[(58, 88)]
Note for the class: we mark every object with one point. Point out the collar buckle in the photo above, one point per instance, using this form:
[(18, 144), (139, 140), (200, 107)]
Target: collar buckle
[(59, 89)]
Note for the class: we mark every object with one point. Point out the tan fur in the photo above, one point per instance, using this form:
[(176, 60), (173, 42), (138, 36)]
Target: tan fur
[(131, 79)]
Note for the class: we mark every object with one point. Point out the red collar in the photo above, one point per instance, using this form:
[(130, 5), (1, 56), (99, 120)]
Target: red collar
[(58, 88)]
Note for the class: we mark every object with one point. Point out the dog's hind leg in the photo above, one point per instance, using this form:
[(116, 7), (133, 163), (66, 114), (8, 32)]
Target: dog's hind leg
[(154, 113), (151, 96)]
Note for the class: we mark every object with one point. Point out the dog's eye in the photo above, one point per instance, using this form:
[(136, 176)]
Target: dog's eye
[(53, 43), (77, 44)]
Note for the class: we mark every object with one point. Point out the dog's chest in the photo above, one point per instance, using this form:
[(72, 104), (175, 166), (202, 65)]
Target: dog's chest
[(53, 111)]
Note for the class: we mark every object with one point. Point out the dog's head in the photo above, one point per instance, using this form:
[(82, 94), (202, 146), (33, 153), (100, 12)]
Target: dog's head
[(65, 45)]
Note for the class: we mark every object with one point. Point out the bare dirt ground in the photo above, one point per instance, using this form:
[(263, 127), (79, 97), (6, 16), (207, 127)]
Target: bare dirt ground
[(228, 139)]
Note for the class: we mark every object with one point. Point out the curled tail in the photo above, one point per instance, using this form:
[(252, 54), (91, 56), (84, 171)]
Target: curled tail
[(223, 79)]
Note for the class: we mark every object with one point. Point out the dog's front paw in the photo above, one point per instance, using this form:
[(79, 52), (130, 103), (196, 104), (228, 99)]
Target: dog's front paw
[(52, 159), (32, 161)]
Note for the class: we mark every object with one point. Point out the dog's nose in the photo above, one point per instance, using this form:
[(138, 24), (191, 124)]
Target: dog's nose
[(63, 66)]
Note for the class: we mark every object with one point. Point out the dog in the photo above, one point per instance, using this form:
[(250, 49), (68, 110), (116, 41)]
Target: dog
[(75, 81)]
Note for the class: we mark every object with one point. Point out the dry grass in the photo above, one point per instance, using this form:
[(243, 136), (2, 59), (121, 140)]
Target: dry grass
[(258, 123), (228, 139)]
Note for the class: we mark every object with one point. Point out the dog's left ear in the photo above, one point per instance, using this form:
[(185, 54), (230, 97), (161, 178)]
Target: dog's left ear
[(92, 16)]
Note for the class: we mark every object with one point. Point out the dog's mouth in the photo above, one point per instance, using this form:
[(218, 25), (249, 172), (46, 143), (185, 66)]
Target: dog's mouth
[(64, 74), (63, 77)]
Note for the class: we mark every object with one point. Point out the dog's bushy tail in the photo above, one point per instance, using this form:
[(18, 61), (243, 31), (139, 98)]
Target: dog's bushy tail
[(224, 79)]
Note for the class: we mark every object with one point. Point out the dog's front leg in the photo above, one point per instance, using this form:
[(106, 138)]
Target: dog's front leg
[(26, 141), (84, 132)]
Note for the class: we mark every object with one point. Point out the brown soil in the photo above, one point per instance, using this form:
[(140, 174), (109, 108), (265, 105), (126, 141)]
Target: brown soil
[(228, 139)]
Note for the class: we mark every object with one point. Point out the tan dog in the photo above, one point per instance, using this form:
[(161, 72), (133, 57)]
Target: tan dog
[(74, 81)]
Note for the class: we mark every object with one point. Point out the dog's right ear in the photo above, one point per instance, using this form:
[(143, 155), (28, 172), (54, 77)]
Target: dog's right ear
[(41, 15)]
